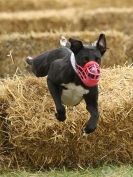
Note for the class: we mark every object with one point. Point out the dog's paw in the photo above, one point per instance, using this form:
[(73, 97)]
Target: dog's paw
[(29, 60), (60, 117), (88, 129), (61, 114), (85, 134)]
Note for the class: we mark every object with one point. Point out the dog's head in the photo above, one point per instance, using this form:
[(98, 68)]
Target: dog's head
[(85, 53), (86, 58)]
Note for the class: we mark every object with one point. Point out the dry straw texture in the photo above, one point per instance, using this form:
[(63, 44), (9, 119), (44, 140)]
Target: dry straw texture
[(40, 141), (68, 19), (15, 5), (109, 18), (39, 21), (33, 44), (129, 49)]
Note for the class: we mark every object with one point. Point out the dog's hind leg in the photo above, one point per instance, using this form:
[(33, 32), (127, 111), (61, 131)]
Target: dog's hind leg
[(56, 91), (29, 60)]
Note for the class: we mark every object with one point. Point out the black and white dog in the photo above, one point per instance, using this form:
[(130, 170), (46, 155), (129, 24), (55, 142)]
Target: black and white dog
[(64, 84)]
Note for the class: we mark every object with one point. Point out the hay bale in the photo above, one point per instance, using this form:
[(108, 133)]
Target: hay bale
[(25, 5), (129, 49), (39, 21), (52, 20), (23, 45), (40, 141), (109, 18)]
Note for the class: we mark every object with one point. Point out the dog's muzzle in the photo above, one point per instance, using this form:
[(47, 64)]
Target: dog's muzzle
[(89, 73)]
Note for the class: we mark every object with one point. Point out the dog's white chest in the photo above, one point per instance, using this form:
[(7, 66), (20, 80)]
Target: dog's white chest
[(73, 94)]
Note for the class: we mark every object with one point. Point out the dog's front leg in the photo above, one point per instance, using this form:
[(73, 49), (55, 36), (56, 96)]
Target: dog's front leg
[(56, 91), (91, 100)]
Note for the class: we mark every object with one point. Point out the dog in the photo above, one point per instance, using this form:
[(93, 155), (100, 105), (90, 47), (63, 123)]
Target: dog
[(67, 72)]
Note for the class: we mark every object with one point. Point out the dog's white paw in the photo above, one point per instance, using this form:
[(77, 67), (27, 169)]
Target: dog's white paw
[(63, 41), (85, 134), (29, 60), (29, 57)]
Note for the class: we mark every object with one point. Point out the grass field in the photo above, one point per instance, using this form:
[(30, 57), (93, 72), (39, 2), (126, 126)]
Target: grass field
[(105, 171)]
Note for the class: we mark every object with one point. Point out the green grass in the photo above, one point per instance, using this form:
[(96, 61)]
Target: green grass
[(105, 171)]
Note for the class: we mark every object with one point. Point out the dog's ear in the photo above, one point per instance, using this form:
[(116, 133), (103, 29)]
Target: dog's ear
[(76, 45), (101, 43)]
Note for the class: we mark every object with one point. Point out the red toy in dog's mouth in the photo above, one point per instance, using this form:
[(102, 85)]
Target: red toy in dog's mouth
[(89, 73)]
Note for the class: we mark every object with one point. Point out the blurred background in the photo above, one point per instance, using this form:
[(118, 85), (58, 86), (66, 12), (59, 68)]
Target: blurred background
[(29, 27)]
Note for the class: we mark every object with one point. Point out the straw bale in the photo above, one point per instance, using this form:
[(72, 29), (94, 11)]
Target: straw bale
[(23, 45), (39, 21), (129, 49), (15, 5), (68, 19), (40, 141), (108, 18)]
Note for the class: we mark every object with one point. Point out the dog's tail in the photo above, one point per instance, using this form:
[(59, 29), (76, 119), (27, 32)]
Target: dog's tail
[(29, 60)]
